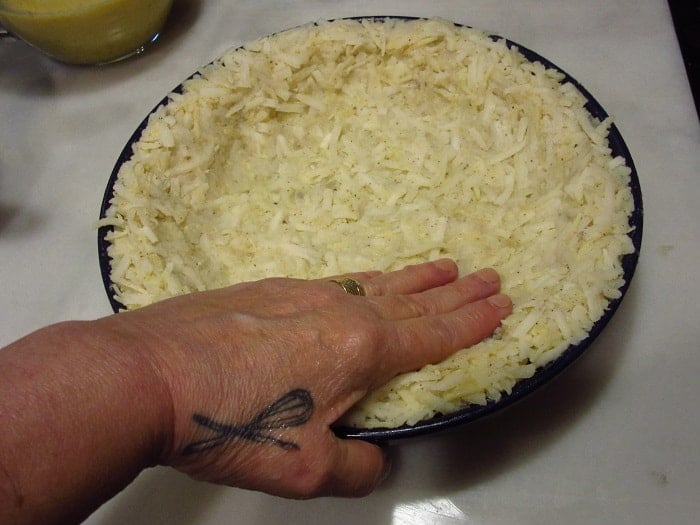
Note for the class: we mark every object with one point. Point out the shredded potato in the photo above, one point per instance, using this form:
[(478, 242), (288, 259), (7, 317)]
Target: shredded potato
[(345, 146)]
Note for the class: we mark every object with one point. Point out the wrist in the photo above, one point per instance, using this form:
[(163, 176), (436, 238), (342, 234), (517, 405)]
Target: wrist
[(95, 415), (141, 386)]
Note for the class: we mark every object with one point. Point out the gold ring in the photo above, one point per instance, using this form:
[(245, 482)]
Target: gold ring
[(350, 286)]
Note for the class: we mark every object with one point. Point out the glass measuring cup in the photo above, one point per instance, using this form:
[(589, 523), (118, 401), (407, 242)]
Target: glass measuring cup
[(85, 31)]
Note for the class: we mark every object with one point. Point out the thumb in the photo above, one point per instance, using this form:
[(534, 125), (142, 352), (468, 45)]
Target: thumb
[(359, 468)]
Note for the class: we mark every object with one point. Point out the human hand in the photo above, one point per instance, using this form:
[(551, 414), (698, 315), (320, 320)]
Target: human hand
[(258, 372)]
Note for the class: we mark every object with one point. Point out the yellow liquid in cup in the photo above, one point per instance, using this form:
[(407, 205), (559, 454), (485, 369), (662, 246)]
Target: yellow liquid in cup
[(87, 31)]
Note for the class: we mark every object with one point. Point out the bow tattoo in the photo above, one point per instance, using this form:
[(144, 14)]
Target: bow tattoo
[(291, 410)]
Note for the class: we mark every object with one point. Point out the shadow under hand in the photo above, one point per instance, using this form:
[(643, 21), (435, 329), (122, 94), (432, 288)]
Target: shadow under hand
[(162, 495), (486, 448)]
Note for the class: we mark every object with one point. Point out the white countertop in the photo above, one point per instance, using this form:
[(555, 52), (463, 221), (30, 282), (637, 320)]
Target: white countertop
[(612, 440)]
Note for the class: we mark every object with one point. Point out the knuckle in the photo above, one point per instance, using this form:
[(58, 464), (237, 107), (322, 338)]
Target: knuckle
[(358, 343), (363, 336), (312, 486), (326, 292), (478, 323), (417, 307), (448, 334), (313, 479), (482, 316)]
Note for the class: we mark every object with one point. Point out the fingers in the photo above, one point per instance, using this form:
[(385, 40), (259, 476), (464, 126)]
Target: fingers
[(408, 280), (431, 339), (441, 299), (425, 289)]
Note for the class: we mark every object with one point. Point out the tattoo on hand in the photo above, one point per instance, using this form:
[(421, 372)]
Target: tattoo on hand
[(291, 410)]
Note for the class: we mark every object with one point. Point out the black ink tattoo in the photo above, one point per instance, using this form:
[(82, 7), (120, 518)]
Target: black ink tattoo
[(291, 410)]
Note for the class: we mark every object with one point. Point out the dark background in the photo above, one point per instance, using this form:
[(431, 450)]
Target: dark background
[(686, 19)]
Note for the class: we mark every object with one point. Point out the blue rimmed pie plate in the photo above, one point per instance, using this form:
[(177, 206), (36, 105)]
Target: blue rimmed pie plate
[(523, 387)]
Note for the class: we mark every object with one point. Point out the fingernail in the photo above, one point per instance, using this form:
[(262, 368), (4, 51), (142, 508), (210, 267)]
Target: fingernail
[(499, 301), (386, 469), (488, 275)]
